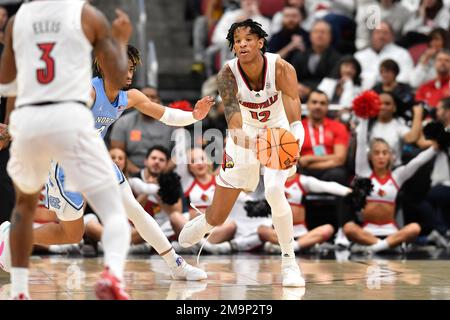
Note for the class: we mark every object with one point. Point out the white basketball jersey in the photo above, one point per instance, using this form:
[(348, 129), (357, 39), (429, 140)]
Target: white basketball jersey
[(294, 191), (53, 55), (260, 108), (201, 195), (383, 191)]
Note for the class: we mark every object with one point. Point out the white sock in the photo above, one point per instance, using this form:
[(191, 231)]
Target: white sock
[(19, 281), (379, 246), (172, 259), (116, 235), (147, 227), (283, 227)]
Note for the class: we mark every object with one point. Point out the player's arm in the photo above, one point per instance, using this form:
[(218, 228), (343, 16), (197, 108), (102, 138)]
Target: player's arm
[(286, 79), (108, 42), (227, 86), (169, 116), (8, 71)]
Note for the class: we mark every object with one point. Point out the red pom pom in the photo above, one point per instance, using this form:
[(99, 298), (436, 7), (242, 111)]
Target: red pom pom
[(367, 104), (181, 105)]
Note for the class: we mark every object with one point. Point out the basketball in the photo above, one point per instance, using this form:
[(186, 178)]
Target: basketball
[(276, 148)]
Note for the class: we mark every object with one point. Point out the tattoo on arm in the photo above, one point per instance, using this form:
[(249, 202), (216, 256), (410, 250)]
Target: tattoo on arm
[(227, 90)]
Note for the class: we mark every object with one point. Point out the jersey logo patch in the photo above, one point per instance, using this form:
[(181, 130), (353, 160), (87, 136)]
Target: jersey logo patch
[(381, 193), (54, 202), (227, 162)]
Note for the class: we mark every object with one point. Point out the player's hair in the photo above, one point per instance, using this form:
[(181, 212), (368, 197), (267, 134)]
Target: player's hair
[(255, 28), (159, 148), (133, 55)]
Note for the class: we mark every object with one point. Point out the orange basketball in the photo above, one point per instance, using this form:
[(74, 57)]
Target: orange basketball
[(276, 148)]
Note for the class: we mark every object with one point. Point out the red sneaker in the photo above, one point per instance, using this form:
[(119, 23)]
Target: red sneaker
[(110, 288)]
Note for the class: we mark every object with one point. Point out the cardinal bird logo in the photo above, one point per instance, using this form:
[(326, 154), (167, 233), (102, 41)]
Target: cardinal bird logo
[(381, 193), (227, 162), (204, 197)]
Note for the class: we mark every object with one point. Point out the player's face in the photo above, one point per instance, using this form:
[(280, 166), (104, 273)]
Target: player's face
[(119, 157), (317, 106), (130, 74), (199, 165), (156, 162), (380, 155), (246, 45)]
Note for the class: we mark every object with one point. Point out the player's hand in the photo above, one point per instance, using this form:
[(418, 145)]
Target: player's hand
[(121, 27), (202, 107), (5, 138), (296, 158)]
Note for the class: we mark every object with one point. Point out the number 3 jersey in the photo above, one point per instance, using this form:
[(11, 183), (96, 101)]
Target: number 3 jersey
[(260, 108), (48, 37)]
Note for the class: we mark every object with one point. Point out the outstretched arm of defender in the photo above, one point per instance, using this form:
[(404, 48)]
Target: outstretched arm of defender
[(286, 79), (227, 86), (169, 116)]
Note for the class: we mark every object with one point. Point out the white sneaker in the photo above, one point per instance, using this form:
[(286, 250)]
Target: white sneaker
[(290, 271), (270, 247), (341, 240), (194, 231), (184, 271), (5, 252)]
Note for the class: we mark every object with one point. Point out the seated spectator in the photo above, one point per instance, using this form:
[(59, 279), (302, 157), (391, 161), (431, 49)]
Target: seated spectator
[(345, 83), (439, 194), (317, 62), (382, 47), (402, 92), (431, 14), (291, 37), (391, 11), (379, 231), (393, 130), (324, 151), (145, 186), (424, 70), (296, 189), (433, 91), (277, 19), (136, 133)]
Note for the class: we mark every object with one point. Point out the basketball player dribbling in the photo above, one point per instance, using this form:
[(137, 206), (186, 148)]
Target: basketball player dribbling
[(258, 90), (48, 54)]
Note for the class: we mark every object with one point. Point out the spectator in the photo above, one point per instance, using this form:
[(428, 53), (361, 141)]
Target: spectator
[(424, 70), (394, 131), (402, 92), (439, 194), (277, 19), (345, 84), (431, 14), (382, 47), (136, 133), (291, 37), (145, 185), (391, 11), (324, 151), (3, 20), (433, 91), (317, 62)]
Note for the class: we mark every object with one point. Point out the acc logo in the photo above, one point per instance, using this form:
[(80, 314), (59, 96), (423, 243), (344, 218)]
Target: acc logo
[(228, 162)]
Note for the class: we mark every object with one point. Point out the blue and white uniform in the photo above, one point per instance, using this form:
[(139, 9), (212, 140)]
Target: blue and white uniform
[(69, 205)]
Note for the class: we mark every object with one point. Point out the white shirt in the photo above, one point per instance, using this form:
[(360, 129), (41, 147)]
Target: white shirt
[(350, 90), (393, 133), (370, 63), (230, 17)]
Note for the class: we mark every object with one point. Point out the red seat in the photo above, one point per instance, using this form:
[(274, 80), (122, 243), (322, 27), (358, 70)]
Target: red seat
[(269, 7)]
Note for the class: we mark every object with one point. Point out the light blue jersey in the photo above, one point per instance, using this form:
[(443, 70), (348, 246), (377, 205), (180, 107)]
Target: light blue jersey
[(105, 114)]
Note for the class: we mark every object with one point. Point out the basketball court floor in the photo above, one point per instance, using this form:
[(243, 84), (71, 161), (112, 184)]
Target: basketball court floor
[(333, 276)]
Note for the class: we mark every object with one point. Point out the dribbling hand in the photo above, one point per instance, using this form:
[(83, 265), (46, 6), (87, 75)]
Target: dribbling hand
[(202, 107), (121, 27)]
